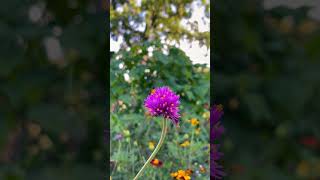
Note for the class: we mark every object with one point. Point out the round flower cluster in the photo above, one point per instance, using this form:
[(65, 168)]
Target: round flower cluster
[(164, 102)]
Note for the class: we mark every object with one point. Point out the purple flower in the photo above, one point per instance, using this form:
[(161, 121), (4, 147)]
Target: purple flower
[(216, 130), (164, 102)]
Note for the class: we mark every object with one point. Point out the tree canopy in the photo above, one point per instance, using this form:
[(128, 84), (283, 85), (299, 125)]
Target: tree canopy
[(146, 20)]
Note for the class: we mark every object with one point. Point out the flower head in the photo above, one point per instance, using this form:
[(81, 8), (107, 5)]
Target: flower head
[(216, 130), (164, 102), (156, 162), (182, 175), (151, 145), (185, 144), (194, 122), (189, 171)]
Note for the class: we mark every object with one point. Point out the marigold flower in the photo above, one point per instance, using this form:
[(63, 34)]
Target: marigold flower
[(194, 122), (189, 172), (185, 144), (216, 131), (164, 102), (182, 175), (156, 162)]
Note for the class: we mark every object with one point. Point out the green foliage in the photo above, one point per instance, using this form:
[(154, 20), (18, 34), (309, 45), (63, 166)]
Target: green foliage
[(266, 73), (191, 82)]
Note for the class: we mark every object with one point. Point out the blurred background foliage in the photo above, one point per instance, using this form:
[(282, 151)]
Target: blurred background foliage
[(147, 20), (52, 89), (266, 73), (145, 61)]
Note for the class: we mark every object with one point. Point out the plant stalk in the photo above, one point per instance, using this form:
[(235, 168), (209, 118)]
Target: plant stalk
[(155, 151)]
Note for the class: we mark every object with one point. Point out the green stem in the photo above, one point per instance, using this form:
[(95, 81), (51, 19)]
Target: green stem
[(191, 152), (155, 151)]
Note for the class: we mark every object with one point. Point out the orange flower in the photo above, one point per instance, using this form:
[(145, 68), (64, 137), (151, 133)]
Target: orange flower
[(156, 162), (182, 175), (194, 122), (189, 171)]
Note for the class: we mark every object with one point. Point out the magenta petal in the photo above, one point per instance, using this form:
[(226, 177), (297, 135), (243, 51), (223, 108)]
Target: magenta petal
[(163, 102)]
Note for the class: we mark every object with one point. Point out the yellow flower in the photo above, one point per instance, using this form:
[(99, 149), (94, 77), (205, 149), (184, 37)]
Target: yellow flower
[(185, 144), (206, 115), (182, 175), (151, 145), (198, 131), (194, 122)]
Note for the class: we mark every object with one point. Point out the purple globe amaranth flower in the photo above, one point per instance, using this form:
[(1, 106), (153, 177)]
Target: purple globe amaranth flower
[(216, 130), (162, 101), (216, 170)]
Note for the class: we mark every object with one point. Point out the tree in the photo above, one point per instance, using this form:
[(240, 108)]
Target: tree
[(138, 21)]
